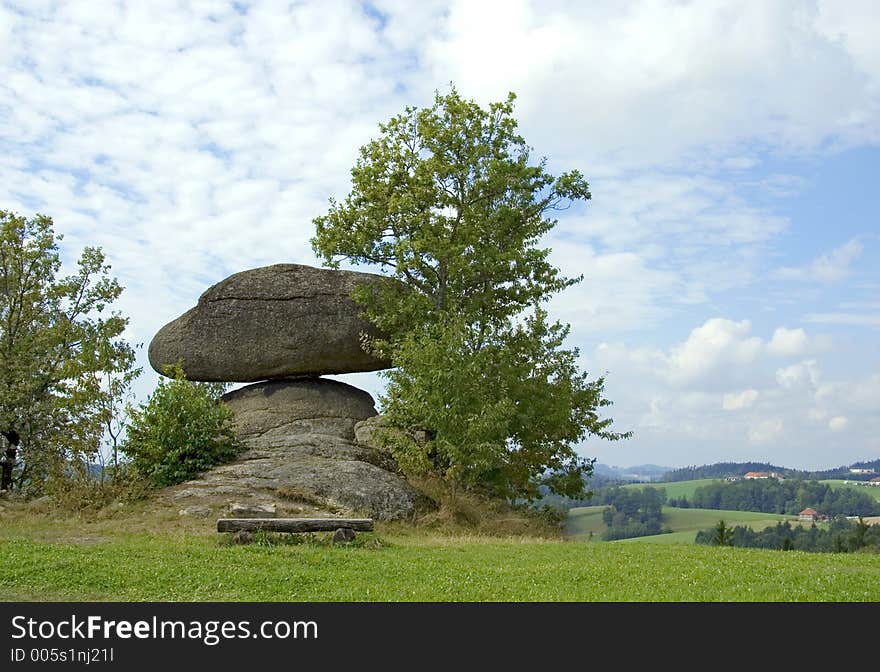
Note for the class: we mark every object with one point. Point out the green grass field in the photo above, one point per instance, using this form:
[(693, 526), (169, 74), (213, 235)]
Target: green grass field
[(872, 490), (677, 489), (686, 488), (147, 557), (685, 523)]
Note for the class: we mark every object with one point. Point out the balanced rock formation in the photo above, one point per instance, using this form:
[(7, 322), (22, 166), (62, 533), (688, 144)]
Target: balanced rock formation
[(270, 322), (285, 325), (300, 449)]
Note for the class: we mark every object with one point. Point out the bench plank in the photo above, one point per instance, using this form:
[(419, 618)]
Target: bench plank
[(294, 524)]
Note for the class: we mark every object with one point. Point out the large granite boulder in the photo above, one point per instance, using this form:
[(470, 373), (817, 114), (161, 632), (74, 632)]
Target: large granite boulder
[(300, 450), (276, 408), (271, 322), (308, 484)]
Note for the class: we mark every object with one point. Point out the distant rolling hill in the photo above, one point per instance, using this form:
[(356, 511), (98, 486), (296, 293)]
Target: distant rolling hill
[(872, 490), (675, 490), (679, 489), (641, 472), (724, 469), (685, 523)]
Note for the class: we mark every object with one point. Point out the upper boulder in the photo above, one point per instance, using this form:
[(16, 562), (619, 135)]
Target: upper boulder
[(270, 322)]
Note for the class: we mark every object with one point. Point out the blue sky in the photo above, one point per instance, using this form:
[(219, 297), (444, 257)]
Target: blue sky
[(730, 253)]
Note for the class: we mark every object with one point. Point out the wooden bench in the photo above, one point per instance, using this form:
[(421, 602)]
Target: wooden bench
[(343, 527)]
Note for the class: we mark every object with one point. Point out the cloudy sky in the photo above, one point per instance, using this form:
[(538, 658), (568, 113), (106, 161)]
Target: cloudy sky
[(730, 253)]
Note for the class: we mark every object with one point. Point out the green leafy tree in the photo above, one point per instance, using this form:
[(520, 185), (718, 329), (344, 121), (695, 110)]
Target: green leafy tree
[(448, 203), (57, 339), (182, 429)]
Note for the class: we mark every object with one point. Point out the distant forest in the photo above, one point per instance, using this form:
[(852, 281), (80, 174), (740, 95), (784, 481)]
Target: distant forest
[(770, 495), (842, 536), (788, 497), (725, 469), (631, 512)]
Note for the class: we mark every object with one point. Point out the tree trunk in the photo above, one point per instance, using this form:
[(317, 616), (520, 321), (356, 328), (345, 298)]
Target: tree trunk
[(8, 462), (22, 477)]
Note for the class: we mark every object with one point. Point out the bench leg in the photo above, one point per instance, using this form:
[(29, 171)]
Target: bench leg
[(344, 535)]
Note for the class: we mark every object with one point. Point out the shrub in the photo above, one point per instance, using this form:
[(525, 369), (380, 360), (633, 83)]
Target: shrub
[(75, 489), (182, 429)]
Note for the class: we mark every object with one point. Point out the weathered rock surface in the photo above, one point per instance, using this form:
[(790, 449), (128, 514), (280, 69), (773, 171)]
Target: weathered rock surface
[(270, 322), (267, 411), (237, 510), (300, 453), (198, 510)]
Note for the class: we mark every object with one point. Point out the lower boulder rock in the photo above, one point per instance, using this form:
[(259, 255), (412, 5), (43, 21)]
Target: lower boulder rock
[(298, 405), (300, 449)]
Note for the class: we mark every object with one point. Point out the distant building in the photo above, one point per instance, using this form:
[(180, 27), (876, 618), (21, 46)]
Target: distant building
[(859, 470), (809, 515), (752, 475)]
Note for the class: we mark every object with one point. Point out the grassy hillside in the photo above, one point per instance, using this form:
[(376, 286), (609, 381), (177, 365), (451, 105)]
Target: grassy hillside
[(583, 520), (685, 523), (677, 489), (686, 489), (182, 567), (144, 556), (872, 490)]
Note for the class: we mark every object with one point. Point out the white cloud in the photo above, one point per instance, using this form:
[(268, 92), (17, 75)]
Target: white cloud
[(853, 25), (805, 373), (863, 394), (838, 423), (766, 411), (639, 290), (656, 242), (787, 342), (830, 267), (654, 81), (717, 355), (734, 401), (766, 431), (717, 344)]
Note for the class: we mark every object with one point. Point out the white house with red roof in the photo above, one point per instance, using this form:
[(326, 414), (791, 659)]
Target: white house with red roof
[(809, 515)]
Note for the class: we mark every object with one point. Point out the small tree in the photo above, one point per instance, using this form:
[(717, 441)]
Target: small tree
[(722, 535), (447, 201), (859, 531), (57, 338), (116, 405), (181, 430)]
